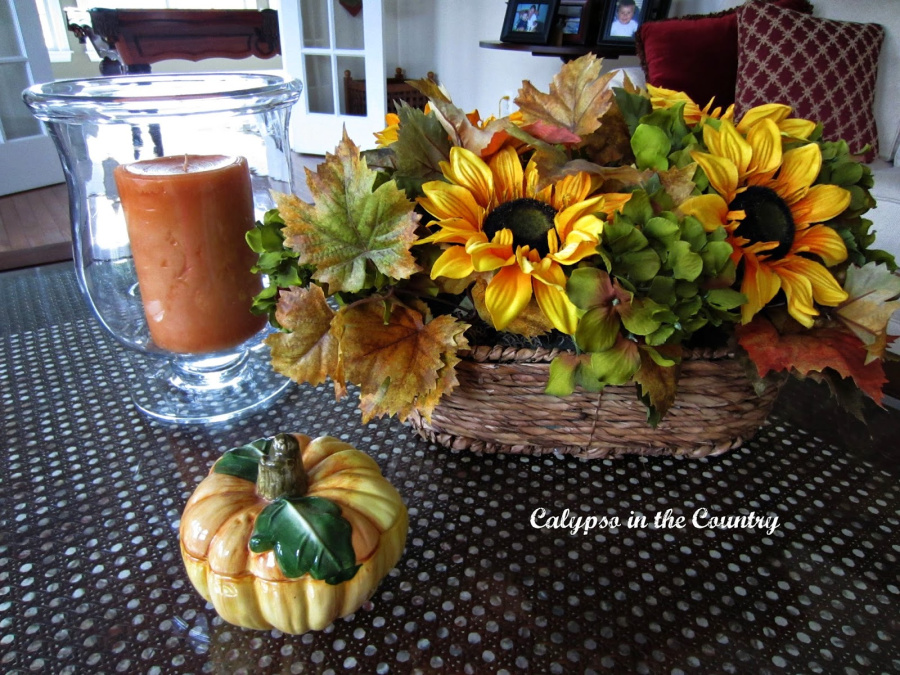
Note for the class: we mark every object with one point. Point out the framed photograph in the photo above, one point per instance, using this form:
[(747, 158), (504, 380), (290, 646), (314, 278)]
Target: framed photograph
[(621, 19), (574, 22), (529, 21)]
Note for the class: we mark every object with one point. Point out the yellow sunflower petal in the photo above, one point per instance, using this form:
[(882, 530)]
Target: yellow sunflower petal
[(574, 251), (722, 173), (451, 231), (799, 168), (454, 263), (825, 288), (614, 201), (821, 203), (508, 176), (507, 294), (550, 293), (765, 139), (490, 255), (710, 210), (571, 190), (770, 111), (729, 144), (760, 285), (389, 135), (797, 128), (822, 241), (798, 290), (566, 218), (468, 170), (531, 182), (445, 201)]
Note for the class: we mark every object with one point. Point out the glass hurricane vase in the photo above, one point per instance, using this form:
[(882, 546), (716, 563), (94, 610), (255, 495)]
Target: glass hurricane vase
[(166, 173)]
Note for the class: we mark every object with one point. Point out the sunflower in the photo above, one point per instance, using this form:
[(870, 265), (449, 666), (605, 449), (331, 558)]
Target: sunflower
[(766, 200), (662, 98), (498, 223)]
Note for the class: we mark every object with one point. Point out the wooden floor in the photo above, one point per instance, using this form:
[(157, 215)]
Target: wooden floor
[(35, 225)]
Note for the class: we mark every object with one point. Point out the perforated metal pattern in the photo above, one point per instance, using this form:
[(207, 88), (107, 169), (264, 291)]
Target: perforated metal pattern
[(91, 579)]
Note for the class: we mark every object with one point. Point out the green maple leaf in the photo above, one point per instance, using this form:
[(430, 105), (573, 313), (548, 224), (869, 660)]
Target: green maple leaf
[(422, 144), (353, 229)]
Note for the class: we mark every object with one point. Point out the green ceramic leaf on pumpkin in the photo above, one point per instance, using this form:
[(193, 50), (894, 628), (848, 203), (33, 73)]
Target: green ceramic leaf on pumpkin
[(309, 536), (243, 461)]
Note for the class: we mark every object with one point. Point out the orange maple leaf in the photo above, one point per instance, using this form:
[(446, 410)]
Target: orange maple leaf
[(811, 351), (578, 98), (310, 351), (402, 364)]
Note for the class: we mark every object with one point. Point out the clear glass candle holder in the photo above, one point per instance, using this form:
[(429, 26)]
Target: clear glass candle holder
[(183, 308)]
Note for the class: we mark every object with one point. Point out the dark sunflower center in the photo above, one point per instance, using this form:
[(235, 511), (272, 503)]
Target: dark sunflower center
[(528, 219), (768, 219)]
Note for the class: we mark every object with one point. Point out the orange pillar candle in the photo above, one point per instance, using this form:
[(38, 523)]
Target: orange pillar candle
[(187, 216)]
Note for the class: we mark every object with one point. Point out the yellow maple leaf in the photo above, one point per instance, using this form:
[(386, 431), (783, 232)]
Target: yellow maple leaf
[(401, 364), (578, 98), (874, 295), (309, 352)]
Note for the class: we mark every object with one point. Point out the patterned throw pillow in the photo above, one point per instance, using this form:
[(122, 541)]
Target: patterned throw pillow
[(696, 54), (824, 69)]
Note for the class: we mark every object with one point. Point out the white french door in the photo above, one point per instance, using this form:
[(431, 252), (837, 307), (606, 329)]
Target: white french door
[(28, 158), (320, 40)]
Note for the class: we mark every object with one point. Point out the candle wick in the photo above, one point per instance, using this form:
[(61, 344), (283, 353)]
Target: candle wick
[(185, 162)]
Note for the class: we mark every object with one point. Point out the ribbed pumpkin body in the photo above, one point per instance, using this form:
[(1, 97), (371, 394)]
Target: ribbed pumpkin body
[(249, 589)]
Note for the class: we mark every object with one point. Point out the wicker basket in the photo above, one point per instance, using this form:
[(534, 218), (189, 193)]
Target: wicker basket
[(499, 406)]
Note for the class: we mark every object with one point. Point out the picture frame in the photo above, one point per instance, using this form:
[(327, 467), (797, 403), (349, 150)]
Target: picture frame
[(529, 21), (614, 31), (574, 22)]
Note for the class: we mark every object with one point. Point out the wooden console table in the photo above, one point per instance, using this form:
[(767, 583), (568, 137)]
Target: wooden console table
[(130, 40)]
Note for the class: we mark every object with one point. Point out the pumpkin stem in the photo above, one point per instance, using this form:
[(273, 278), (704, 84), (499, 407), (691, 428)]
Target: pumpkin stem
[(281, 472)]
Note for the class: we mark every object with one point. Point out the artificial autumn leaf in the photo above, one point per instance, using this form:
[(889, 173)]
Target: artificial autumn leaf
[(610, 144), (482, 140), (422, 144), (578, 98), (399, 365), (310, 351), (678, 183), (811, 351), (350, 228), (658, 380), (874, 294)]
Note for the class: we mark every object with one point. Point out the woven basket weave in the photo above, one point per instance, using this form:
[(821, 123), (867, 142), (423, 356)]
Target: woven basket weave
[(499, 406)]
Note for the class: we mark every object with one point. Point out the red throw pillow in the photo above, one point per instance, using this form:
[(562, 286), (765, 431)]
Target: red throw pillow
[(696, 54), (824, 69)]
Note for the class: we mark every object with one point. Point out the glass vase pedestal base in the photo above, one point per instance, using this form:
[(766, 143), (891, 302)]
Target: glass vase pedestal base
[(206, 389)]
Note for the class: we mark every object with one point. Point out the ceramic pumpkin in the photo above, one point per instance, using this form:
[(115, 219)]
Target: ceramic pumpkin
[(291, 533)]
